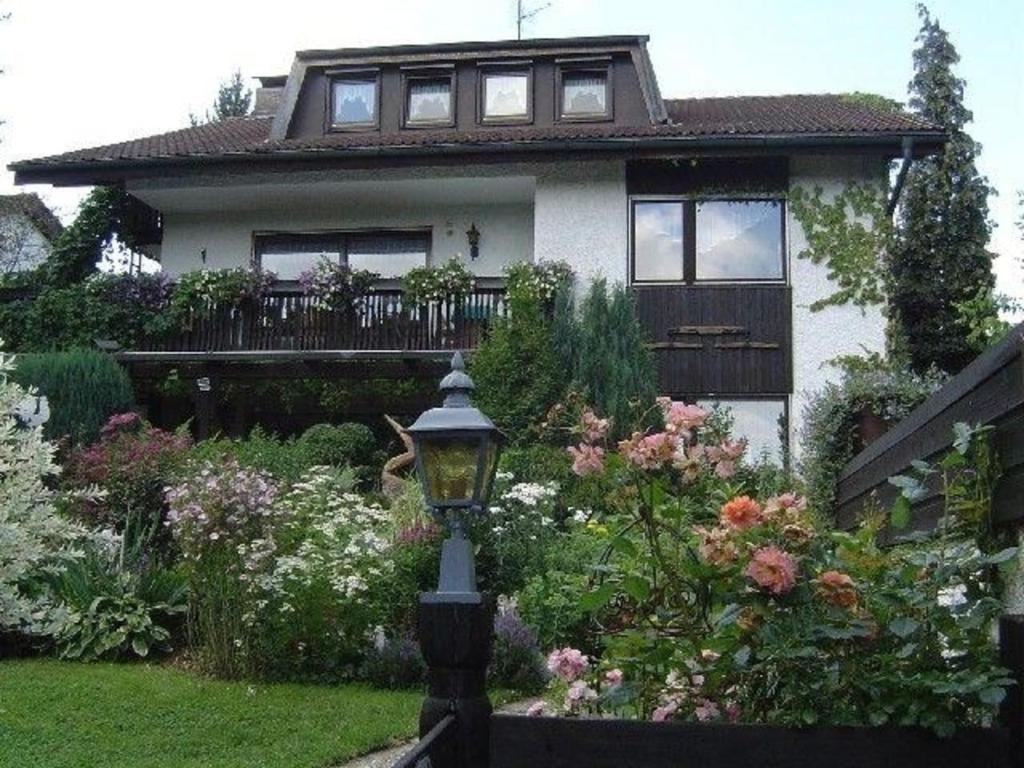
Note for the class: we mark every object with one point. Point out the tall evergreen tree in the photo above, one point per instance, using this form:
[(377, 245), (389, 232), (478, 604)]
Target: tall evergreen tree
[(940, 259), (613, 369), (233, 100)]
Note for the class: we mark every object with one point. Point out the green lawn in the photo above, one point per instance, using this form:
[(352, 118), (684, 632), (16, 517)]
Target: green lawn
[(65, 715)]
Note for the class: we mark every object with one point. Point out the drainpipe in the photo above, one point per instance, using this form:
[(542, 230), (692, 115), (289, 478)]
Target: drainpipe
[(901, 178)]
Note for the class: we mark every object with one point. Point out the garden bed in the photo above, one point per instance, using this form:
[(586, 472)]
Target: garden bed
[(65, 715)]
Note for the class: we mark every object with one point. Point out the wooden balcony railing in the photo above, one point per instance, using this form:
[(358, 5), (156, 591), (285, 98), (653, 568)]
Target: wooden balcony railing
[(383, 321)]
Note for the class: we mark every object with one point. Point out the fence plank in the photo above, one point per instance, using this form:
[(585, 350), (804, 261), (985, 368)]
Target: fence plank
[(527, 742)]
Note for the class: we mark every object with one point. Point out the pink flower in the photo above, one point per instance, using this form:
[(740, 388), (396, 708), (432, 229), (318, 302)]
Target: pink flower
[(785, 506), (613, 678), (648, 451), (725, 456), (594, 429), (665, 711), (716, 546), (682, 419), (706, 711), (579, 693), (586, 459), (688, 460), (741, 512), (568, 664), (772, 570), (536, 709)]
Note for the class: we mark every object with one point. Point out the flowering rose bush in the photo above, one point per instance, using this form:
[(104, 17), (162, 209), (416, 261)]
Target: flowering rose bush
[(715, 602)]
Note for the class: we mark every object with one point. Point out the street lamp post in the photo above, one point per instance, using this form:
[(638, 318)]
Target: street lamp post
[(457, 450)]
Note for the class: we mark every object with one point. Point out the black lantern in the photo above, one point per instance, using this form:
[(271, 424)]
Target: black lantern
[(473, 238), (457, 450)]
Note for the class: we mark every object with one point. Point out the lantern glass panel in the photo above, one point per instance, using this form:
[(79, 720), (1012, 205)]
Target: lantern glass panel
[(449, 468)]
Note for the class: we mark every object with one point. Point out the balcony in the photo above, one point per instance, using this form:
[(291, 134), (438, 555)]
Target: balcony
[(286, 324)]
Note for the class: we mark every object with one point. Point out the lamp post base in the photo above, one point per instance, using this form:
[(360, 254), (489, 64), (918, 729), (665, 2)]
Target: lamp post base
[(456, 637)]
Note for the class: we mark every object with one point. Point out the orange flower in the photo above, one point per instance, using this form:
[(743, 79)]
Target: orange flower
[(773, 570), (741, 512), (838, 589)]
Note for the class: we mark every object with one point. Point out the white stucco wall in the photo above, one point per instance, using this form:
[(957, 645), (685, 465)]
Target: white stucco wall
[(846, 330), (506, 232), (581, 216)]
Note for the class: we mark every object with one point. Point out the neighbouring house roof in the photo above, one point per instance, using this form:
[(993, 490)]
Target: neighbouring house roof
[(35, 210), (820, 121)]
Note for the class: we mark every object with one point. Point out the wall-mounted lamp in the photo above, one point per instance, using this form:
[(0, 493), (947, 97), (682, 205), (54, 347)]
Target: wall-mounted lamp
[(473, 237), (202, 255)]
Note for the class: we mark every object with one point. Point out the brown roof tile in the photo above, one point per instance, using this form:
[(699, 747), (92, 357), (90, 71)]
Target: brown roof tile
[(745, 116)]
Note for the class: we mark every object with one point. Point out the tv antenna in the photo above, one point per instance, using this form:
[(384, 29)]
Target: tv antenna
[(524, 13)]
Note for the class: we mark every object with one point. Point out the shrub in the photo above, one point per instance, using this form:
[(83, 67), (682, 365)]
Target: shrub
[(516, 371), (84, 389), (341, 445), (223, 519), (613, 368), (717, 605), (317, 606), (34, 539), (828, 435), (131, 463), (516, 663), (284, 459), (394, 664)]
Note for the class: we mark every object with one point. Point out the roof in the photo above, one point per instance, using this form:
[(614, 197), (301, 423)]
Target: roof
[(758, 117), (35, 210)]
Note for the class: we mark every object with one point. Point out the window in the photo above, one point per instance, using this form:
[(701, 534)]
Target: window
[(739, 240), (658, 241), (584, 94), (354, 101), (762, 423), (506, 97), (682, 240), (428, 100), (288, 256), (388, 253)]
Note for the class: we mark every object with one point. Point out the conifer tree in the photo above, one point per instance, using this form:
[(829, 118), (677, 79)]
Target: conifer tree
[(614, 369), (233, 100), (940, 259)]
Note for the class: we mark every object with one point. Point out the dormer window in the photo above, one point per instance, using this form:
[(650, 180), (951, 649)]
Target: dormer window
[(429, 99), (506, 96), (584, 92), (354, 97)]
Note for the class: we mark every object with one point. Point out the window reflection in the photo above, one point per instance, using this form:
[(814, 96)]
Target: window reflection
[(506, 95), (739, 239), (355, 102), (584, 94), (658, 241), (430, 101)]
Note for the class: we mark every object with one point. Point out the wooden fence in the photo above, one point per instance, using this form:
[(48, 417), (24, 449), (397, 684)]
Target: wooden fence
[(382, 320), (988, 391), (527, 742)]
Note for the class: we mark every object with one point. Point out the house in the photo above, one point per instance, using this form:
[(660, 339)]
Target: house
[(27, 231), (555, 149)]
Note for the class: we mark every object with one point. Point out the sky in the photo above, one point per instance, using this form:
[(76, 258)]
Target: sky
[(78, 74)]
